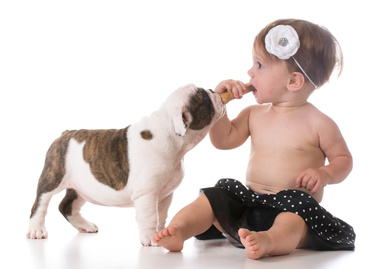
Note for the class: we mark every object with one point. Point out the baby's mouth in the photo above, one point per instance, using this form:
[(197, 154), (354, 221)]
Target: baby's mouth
[(250, 87)]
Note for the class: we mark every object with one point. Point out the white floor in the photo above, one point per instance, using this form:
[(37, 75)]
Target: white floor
[(60, 59), (116, 246)]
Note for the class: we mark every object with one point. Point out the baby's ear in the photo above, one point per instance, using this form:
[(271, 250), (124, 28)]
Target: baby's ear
[(296, 81), (182, 121)]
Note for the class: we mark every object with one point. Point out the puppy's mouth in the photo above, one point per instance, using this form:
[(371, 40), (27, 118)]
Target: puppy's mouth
[(217, 102)]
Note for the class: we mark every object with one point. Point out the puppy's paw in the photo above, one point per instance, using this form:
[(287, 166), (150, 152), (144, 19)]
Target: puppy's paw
[(90, 228), (37, 233), (82, 225), (146, 238)]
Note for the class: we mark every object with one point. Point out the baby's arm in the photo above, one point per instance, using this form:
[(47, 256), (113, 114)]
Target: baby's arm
[(335, 149), (227, 134)]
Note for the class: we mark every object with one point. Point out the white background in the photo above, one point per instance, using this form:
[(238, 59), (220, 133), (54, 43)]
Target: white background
[(106, 64)]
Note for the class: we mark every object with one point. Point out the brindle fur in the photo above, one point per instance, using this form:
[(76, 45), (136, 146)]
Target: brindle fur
[(53, 170), (65, 206), (105, 151)]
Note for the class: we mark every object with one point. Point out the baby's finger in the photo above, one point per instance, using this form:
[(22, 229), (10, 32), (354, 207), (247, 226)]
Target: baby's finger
[(311, 184), (240, 86), (235, 89), (298, 180), (316, 188), (305, 180), (224, 86)]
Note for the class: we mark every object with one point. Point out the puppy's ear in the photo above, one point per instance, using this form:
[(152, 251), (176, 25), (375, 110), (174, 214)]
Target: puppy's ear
[(181, 122)]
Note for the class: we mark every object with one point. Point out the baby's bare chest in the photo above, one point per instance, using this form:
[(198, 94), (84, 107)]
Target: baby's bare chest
[(286, 134)]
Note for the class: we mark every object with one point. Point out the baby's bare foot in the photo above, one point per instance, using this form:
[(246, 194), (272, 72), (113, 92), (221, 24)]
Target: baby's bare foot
[(169, 238), (256, 243)]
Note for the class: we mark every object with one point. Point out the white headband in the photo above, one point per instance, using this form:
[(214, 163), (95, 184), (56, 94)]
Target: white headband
[(283, 42)]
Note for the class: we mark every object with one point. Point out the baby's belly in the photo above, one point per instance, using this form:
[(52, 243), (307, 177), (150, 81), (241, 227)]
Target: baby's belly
[(274, 171), (272, 175), (268, 180)]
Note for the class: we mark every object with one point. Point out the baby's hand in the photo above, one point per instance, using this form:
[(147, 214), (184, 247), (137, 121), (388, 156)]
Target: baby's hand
[(312, 179), (234, 86)]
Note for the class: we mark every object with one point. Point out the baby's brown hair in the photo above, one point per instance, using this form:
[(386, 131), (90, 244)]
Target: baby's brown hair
[(318, 54)]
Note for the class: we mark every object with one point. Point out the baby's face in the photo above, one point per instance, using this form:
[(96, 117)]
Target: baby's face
[(269, 77)]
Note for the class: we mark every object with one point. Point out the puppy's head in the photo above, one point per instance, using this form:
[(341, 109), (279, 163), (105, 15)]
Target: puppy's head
[(195, 109)]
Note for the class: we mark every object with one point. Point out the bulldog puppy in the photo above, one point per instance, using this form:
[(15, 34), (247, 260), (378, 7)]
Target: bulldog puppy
[(140, 165)]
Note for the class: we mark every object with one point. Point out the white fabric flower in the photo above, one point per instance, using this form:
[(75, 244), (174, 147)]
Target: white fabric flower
[(282, 41)]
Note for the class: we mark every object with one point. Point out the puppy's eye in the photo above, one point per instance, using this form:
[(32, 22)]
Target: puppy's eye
[(185, 118), (211, 90)]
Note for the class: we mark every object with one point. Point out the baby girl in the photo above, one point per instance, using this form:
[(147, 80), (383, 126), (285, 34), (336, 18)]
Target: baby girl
[(278, 210)]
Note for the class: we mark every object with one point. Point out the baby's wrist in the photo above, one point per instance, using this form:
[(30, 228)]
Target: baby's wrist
[(327, 178)]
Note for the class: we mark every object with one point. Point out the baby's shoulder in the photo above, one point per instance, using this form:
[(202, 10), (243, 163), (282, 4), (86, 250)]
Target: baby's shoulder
[(317, 117)]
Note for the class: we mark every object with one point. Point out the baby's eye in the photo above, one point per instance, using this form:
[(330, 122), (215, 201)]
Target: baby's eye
[(259, 65)]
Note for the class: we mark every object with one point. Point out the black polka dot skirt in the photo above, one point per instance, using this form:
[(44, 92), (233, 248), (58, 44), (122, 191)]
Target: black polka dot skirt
[(235, 206)]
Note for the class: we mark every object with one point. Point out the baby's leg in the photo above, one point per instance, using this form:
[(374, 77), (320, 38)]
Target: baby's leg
[(288, 232), (192, 220)]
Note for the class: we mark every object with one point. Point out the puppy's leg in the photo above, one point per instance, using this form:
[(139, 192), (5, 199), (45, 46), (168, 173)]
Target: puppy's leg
[(163, 211), (36, 229), (146, 209), (70, 208), (48, 185)]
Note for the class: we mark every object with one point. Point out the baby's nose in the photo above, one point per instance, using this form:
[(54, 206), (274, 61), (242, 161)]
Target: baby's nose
[(250, 73)]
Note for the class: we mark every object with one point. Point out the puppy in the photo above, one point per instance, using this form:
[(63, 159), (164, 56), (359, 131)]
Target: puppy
[(140, 165)]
